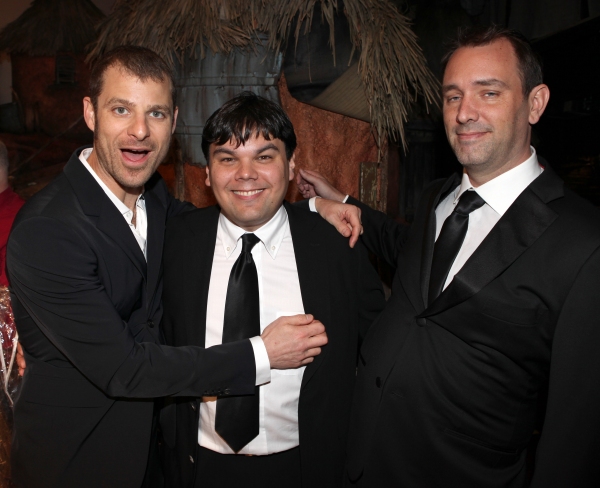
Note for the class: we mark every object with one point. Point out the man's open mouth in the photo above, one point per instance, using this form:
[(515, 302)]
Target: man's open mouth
[(135, 155)]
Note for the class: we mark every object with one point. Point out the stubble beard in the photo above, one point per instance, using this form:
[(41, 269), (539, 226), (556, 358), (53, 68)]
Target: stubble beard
[(109, 157)]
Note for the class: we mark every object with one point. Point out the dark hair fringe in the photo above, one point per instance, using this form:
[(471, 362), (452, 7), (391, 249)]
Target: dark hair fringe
[(248, 115)]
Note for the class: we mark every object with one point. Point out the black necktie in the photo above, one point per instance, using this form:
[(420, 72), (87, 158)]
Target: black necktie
[(450, 241), (237, 417)]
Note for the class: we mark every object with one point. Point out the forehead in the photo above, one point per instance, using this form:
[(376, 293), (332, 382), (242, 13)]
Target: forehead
[(117, 82), (496, 60)]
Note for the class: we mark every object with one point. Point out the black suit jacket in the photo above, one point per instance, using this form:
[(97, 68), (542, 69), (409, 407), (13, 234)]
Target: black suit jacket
[(339, 286), (447, 392), (87, 308)]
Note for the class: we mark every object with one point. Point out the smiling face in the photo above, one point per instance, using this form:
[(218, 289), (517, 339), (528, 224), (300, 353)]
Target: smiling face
[(486, 115), (132, 123), (249, 181)]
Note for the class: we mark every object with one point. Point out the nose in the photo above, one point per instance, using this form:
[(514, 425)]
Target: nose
[(467, 111), (139, 127), (246, 170)]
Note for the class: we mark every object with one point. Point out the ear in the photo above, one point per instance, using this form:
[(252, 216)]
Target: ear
[(207, 181), (538, 100), (175, 112), (88, 113), (292, 163)]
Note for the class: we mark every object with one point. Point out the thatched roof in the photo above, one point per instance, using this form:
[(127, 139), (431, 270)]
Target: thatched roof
[(391, 64), (50, 26)]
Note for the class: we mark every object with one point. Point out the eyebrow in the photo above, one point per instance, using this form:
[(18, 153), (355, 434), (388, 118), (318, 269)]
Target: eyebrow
[(264, 148), (129, 103), (484, 82)]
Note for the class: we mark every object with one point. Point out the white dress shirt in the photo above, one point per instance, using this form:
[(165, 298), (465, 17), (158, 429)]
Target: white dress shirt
[(499, 194), (140, 229), (279, 291)]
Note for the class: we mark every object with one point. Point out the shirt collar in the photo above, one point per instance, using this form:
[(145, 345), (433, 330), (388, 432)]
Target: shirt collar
[(124, 209), (271, 234), (501, 192)]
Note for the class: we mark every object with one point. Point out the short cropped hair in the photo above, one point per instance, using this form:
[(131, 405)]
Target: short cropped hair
[(248, 115), (139, 61), (530, 63), (3, 157)]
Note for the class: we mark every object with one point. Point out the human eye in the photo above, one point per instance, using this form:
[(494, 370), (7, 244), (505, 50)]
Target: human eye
[(490, 94), (157, 114), (120, 110)]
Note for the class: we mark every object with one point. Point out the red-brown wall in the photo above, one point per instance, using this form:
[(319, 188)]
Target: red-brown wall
[(47, 106)]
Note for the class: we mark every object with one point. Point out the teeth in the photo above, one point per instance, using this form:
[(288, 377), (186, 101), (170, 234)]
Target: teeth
[(247, 193)]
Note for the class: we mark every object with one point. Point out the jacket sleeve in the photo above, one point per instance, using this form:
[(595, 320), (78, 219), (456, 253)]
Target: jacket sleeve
[(370, 292), (569, 446), (382, 235), (54, 278)]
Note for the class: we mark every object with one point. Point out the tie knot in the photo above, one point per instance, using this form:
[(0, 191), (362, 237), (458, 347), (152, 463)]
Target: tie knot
[(249, 241), (469, 201)]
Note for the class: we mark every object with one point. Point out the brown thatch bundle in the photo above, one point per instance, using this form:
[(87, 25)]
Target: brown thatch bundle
[(391, 65), (50, 26)]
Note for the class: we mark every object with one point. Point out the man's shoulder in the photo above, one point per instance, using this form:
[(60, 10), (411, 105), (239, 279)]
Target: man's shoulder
[(55, 200), (310, 229), (196, 220)]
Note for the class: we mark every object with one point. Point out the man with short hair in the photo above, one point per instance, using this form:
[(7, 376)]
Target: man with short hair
[(295, 436), (84, 259), (494, 305)]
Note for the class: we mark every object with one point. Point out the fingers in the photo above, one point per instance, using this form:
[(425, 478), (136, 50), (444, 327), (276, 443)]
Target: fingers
[(21, 364), (352, 219)]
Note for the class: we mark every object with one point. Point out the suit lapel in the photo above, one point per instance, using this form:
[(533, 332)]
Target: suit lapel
[(200, 247), (312, 265), (523, 223), (157, 214), (96, 205)]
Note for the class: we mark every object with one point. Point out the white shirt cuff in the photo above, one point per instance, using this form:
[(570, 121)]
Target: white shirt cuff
[(313, 207), (263, 365)]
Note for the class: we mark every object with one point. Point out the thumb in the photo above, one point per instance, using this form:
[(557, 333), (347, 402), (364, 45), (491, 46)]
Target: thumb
[(300, 319)]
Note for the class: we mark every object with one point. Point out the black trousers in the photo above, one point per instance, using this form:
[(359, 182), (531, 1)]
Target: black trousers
[(233, 470)]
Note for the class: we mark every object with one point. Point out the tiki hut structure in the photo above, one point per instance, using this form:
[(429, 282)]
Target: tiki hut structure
[(343, 129), (47, 48)]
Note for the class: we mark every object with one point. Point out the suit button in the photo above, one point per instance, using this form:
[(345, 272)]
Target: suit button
[(378, 382), (191, 459), (421, 322), (150, 324)]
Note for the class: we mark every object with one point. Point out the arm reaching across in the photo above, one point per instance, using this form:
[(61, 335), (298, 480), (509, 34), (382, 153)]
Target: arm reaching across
[(314, 184), (345, 218), (292, 342)]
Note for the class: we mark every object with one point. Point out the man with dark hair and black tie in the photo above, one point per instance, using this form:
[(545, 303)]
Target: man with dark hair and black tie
[(248, 261), (494, 305)]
